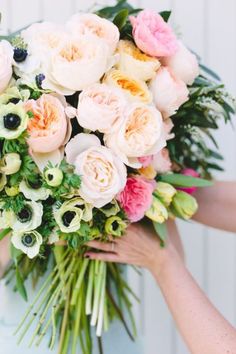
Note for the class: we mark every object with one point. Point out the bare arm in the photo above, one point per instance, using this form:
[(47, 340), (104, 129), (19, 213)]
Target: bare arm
[(4, 254), (217, 206), (203, 328)]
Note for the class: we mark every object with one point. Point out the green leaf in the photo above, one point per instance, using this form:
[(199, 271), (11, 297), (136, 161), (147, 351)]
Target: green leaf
[(161, 231), (20, 285), (4, 233), (165, 15), (180, 180), (15, 253), (210, 72), (121, 18)]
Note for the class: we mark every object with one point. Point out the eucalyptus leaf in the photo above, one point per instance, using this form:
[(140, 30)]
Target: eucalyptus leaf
[(180, 180)]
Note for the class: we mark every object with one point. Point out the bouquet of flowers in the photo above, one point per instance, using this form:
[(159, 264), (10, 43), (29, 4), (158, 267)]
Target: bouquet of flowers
[(104, 121)]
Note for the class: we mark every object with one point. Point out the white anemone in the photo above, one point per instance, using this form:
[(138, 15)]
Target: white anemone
[(34, 194), (28, 242), (29, 218)]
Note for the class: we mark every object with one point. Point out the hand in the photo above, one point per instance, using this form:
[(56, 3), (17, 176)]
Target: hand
[(140, 246)]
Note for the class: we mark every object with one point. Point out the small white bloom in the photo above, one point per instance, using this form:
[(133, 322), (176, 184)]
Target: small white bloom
[(28, 242), (13, 120), (29, 218), (34, 194), (53, 238), (68, 217)]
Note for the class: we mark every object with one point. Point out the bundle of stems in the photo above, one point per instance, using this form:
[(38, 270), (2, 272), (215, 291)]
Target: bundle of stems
[(77, 295)]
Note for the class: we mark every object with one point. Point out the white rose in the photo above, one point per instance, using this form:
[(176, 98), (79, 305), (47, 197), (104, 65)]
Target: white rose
[(77, 64), (169, 93), (101, 108), (183, 64), (103, 174), (135, 63), (141, 134), (6, 61), (91, 24)]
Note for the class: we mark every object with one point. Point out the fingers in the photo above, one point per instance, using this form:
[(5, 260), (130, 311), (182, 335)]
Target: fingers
[(101, 256), (101, 246)]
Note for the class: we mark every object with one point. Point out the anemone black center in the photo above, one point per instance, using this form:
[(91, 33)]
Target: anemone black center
[(67, 217), (115, 225), (36, 184), (25, 214), (50, 177), (39, 80), (14, 100), (28, 240), (11, 121), (20, 54)]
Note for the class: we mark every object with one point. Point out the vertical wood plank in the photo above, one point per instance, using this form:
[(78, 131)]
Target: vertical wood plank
[(24, 12), (57, 11)]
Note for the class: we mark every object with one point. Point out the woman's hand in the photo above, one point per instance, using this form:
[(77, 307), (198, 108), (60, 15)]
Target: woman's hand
[(140, 246)]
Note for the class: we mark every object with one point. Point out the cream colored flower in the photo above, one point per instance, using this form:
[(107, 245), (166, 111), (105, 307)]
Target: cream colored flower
[(135, 63), (141, 134), (91, 24), (28, 242), (158, 212), (10, 163), (34, 194), (76, 64), (135, 89), (101, 108), (13, 120), (68, 217), (102, 172), (28, 218)]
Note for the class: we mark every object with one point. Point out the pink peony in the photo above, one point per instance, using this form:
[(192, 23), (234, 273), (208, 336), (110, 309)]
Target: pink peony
[(183, 64), (169, 93), (136, 198), (161, 162), (145, 160), (192, 173), (153, 35)]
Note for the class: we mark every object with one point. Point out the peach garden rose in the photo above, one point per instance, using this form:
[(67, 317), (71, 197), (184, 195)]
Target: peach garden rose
[(48, 127)]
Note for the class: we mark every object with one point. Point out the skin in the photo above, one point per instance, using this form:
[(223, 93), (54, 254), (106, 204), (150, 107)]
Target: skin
[(209, 332), (217, 206)]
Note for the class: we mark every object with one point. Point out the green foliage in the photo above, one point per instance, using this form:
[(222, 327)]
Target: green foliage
[(16, 204), (179, 180), (161, 231), (165, 15), (195, 122), (48, 221)]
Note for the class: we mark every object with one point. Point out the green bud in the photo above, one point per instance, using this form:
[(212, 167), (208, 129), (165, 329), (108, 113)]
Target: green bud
[(10, 163), (12, 191), (54, 177), (157, 212), (165, 192), (184, 205), (3, 181), (115, 226)]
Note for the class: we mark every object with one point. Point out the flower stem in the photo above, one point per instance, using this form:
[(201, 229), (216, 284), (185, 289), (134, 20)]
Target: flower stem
[(89, 295), (98, 288), (85, 263)]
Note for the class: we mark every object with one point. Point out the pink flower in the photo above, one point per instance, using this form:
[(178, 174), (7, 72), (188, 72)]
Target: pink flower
[(153, 35), (192, 173), (136, 198), (183, 64), (145, 160), (161, 162), (48, 127), (169, 93)]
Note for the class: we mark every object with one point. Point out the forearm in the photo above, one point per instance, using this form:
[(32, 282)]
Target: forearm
[(205, 331), (217, 206), (4, 255)]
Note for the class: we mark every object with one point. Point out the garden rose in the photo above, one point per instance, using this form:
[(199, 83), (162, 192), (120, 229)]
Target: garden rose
[(169, 92), (84, 24), (135, 90), (103, 174), (161, 162), (101, 108), (135, 63), (145, 160), (6, 61), (136, 198), (153, 35), (76, 64), (141, 134), (183, 64), (48, 126)]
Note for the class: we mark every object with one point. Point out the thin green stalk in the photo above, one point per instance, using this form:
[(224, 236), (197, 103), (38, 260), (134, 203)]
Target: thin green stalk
[(76, 325), (98, 287), (89, 295), (102, 303), (85, 263), (66, 342)]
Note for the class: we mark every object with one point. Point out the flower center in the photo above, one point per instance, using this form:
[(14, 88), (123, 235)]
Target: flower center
[(11, 121), (28, 240), (67, 217), (25, 214), (71, 53)]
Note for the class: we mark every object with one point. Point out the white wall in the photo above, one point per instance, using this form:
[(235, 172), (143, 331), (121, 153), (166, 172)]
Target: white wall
[(209, 27)]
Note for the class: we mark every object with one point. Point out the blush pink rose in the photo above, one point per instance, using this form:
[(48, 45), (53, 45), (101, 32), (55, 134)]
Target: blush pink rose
[(183, 64), (136, 198), (192, 173), (161, 162), (145, 160), (169, 93), (153, 35), (47, 128)]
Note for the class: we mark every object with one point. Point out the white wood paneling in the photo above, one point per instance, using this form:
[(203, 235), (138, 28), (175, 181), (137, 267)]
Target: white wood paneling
[(208, 27)]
